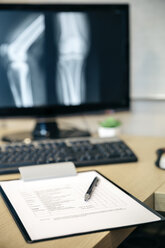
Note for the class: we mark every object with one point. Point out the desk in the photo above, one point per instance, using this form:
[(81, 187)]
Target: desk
[(141, 179)]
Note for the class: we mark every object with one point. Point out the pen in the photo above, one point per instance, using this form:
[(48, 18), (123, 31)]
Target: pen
[(91, 189)]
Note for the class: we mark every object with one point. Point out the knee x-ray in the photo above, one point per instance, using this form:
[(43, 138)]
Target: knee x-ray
[(64, 58), (21, 52), (73, 44)]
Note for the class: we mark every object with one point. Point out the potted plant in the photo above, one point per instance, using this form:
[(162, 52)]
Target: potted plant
[(109, 127)]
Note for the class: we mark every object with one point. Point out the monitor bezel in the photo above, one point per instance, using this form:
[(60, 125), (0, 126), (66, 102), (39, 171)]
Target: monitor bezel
[(57, 110)]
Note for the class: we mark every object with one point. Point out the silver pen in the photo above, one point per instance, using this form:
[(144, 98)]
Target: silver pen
[(91, 189)]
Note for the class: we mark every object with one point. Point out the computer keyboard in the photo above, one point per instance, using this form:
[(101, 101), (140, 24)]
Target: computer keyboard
[(83, 152)]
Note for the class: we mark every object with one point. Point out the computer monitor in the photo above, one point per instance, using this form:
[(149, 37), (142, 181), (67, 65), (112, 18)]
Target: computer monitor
[(58, 59)]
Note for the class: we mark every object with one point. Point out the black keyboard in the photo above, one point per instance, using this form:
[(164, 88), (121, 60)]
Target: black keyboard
[(83, 152)]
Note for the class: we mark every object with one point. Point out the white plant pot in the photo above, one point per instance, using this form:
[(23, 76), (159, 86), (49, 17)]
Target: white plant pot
[(108, 131)]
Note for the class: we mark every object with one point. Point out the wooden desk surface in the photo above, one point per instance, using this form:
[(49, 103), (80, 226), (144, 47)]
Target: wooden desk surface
[(140, 179)]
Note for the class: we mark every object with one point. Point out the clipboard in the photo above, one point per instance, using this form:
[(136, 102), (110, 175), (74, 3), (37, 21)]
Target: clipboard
[(109, 208)]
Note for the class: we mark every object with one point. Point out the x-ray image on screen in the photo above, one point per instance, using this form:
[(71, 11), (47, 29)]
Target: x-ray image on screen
[(60, 58), (21, 49), (88, 57), (72, 47), (69, 40)]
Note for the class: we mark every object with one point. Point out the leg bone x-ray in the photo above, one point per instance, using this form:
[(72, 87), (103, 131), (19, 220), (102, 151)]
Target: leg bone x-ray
[(73, 47), (71, 39), (18, 68)]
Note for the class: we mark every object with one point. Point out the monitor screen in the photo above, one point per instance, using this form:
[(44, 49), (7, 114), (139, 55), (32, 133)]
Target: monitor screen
[(57, 58)]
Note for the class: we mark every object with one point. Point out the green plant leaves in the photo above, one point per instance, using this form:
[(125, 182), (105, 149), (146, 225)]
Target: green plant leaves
[(110, 122)]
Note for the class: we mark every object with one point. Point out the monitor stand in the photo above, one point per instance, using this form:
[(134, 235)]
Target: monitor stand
[(50, 129), (45, 130)]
